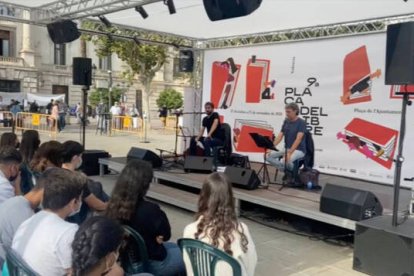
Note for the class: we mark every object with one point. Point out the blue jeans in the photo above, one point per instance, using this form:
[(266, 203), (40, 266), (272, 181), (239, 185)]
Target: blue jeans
[(172, 265), (277, 159), (208, 143)]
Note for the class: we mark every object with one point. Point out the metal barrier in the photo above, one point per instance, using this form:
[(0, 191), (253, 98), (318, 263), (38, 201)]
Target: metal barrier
[(6, 120), (171, 122), (35, 121), (127, 124)]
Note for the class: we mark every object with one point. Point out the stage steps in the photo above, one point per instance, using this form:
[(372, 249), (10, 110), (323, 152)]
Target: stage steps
[(173, 196)]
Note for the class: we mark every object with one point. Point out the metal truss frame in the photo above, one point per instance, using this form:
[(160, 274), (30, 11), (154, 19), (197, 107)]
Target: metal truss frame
[(79, 9)]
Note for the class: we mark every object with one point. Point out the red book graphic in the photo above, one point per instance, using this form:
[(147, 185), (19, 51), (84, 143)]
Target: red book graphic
[(374, 141), (397, 91), (258, 86), (357, 79), (242, 140), (224, 79)]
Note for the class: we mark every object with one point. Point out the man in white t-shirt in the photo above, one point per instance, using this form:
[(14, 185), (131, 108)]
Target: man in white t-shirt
[(14, 211), (45, 240), (10, 160)]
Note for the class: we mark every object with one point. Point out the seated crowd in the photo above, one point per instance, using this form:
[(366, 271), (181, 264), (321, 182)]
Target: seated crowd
[(60, 222)]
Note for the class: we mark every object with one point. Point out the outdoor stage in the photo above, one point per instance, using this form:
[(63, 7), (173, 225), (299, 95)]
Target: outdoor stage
[(175, 187)]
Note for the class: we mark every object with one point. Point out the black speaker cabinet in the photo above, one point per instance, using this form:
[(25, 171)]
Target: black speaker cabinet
[(186, 61), (90, 162), (399, 63), (82, 71), (224, 9), (63, 31), (381, 249), (349, 203), (146, 155), (203, 164), (243, 178)]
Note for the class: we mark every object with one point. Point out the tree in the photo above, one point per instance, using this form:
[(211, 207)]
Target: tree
[(170, 98), (102, 94)]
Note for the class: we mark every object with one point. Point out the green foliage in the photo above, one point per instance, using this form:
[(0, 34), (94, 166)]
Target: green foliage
[(170, 98), (102, 94)]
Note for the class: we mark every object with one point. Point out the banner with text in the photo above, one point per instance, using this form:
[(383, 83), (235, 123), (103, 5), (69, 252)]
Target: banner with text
[(339, 85)]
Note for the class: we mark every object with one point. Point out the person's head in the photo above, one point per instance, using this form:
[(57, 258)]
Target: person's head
[(30, 143), (130, 189), (62, 190), (292, 111), (95, 247), (209, 107), (217, 214), (9, 139), (49, 154), (10, 159), (73, 153)]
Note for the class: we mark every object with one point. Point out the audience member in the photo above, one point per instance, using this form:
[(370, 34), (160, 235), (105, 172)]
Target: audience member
[(9, 139), (44, 240), (128, 205), (48, 155), (10, 160), (96, 247), (15, 211), (217, 224), (93, 195), (30, 143)]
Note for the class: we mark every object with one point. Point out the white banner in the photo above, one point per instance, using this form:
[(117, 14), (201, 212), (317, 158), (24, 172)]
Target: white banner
[(6, 97), (339, 84), (44, 99)]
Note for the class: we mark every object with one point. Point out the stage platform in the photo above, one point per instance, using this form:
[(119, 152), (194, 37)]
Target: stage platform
[(299, 202)]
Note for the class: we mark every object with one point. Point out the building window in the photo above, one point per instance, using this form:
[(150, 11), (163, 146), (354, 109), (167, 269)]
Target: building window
[(5, 43), (105, 63), (60, 54), (7, 11), (9, 86)]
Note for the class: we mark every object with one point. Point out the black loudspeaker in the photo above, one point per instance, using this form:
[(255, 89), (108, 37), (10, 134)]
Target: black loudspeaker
[(349, 203), (146, 155), (224, 9), (381, 249), (90, 162), (199, 164), (186, 61), (243, 178), (63, 31), (82, 71), (399, 64)]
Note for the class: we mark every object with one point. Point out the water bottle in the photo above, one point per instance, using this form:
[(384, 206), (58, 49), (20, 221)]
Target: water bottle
[(309, 185)]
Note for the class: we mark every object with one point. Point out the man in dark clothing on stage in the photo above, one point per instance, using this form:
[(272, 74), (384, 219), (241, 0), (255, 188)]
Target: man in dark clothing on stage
[(215, 134), (293, 130)]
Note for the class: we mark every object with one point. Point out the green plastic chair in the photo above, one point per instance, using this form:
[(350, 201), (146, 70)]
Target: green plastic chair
[(16, 266), (205, 257), (134, 258)]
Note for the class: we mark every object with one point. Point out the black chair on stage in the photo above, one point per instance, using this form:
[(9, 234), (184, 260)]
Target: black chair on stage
[(222, 153)]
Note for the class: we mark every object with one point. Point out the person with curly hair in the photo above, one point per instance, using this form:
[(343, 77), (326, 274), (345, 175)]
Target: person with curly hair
[(95, 248), (217, 224), (128, 206)]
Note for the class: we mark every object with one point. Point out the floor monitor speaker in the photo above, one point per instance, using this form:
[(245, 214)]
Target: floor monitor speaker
[(146, 155), (199, 164), (243, 178)]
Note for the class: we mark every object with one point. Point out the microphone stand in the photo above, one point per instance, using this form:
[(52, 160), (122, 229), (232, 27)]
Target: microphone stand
[(284, 184)]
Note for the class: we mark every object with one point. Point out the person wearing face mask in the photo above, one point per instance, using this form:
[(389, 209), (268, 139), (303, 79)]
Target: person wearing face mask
[(215, 134), (93, 196), (10, 160), (44, 241)]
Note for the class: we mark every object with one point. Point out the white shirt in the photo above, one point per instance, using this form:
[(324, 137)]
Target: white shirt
[(6, 188), (247, 260), (115, 110), (44, 241)]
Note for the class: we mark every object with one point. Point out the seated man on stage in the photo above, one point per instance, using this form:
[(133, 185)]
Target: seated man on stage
[(215, 135), (293, 130)]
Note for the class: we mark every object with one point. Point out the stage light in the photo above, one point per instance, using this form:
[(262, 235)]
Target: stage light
[(105, 21), (141, 11), (170, 4), (136, 40)]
